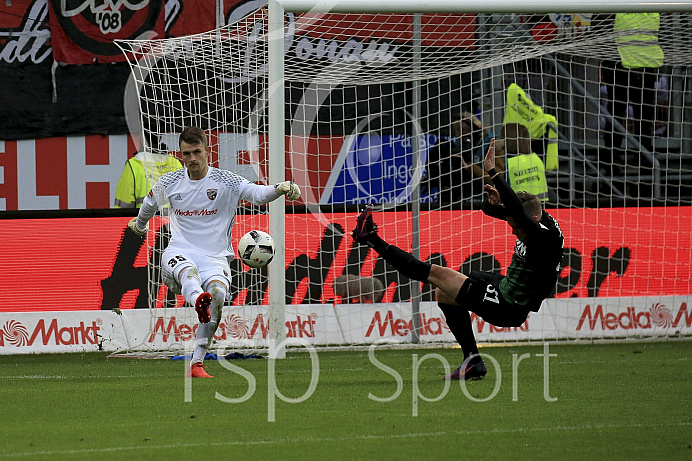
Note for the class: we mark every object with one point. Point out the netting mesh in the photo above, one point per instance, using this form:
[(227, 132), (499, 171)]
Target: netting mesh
[(398, 110)]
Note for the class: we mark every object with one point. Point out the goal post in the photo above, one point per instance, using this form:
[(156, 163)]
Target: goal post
[(471, 6), (356, 101), (277, 162)]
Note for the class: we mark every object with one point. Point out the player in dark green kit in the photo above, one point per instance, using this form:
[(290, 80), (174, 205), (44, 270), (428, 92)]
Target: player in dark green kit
[(503, 301)]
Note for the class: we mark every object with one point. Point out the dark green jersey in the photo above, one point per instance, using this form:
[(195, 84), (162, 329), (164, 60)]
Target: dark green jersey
[(535, 266)]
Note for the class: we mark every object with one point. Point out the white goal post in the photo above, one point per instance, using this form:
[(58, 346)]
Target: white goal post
[(471, 6), (350, 99)]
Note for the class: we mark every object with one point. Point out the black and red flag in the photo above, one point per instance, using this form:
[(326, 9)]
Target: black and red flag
[(83, 31)]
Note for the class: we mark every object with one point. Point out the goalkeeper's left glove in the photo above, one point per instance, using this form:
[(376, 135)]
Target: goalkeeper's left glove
[(289, 189), (133, 227)]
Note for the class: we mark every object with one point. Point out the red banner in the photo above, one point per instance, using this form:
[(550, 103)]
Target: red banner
[(24, 34), (94, 263), (83, 32), (448, 30)]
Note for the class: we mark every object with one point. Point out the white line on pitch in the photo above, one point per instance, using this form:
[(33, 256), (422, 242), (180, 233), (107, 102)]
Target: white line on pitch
[(588, 427)]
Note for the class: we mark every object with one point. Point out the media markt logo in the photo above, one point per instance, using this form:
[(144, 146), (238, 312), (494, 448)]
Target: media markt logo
[(661, 315), (236, 328), (658, 315), (14, 333), (86, 22)]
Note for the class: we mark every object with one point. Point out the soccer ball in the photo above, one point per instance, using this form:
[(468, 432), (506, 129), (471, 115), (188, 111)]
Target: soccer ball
[(256, 248)]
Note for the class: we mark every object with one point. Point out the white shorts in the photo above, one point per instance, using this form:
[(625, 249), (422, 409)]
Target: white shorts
[(210, 268)]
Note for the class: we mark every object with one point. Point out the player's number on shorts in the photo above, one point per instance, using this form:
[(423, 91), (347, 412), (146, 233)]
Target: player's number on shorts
[(491, 294), (175, 260)]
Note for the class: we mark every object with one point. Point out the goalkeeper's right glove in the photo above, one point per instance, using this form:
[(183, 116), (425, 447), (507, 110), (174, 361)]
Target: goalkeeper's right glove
[(133, 227), (289, 189)]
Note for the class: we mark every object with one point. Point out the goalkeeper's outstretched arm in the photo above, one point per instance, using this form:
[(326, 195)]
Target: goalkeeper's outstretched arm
[(259, 195)]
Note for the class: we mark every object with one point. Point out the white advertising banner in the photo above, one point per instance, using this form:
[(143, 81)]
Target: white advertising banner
[(340, 324)]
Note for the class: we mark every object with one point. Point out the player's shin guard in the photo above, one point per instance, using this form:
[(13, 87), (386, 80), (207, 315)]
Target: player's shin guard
[(405, 263), (459, 322), (218, 294), (204, 335), (190, 284)]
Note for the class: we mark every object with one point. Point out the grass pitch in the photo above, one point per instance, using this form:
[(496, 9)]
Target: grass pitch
[(615, 401)]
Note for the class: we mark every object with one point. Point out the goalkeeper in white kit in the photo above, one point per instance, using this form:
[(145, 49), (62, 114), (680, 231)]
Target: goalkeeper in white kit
[(202, 203)]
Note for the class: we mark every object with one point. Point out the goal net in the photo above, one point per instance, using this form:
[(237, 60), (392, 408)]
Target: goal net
[(398, 110)]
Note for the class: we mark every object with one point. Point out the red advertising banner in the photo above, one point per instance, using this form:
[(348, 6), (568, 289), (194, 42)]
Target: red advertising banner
[(67, 264)]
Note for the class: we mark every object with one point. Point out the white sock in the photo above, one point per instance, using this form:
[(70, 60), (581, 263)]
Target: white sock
[(191, 285), (203, 338), (205, 331), (218, 296)]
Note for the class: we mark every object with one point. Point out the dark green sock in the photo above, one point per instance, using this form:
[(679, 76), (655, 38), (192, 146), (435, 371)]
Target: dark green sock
[(376, 243), (459, 321), (400, 260)]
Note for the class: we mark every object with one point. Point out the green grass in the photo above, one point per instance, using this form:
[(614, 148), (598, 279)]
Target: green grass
[(615, 401)]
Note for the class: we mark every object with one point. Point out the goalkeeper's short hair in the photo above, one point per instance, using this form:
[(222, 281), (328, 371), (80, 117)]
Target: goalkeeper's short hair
[(194, 135)]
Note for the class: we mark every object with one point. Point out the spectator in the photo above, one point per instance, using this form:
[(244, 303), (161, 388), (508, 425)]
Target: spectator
[(140, 173), (632, 84), (525, 169), (662, 106), (542, 127), (454, 169)]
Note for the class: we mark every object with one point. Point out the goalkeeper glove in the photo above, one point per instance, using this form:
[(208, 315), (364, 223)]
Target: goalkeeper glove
[(133, 227), (289, 189)]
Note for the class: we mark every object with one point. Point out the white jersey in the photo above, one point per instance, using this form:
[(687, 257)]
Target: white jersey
[(202, 212)]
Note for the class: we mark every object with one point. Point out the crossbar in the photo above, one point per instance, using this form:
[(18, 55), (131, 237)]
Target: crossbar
[(487, 6)]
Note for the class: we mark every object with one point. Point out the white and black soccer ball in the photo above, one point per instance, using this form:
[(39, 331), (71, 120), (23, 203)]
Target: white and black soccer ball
[(256, 248)]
